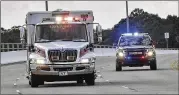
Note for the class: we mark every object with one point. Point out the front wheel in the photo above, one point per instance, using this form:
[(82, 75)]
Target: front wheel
[(118, 66), (34, 81), (153, 65), (90, 80)]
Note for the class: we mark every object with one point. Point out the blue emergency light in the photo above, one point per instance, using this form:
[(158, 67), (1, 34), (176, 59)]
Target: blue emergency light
[(134, 34)]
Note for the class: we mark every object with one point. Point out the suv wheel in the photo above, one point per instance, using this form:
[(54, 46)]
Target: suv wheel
[(153, 65), (90, 79), (118, 66)]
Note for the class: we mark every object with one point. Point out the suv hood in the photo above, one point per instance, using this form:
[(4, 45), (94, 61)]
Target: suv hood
[(61, 44), (137, 47)]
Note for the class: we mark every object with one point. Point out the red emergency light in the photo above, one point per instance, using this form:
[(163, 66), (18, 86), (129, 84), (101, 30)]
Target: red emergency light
[(142, 57), (61, 19)]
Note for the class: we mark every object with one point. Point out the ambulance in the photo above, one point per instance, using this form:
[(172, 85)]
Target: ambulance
[(60, 46)]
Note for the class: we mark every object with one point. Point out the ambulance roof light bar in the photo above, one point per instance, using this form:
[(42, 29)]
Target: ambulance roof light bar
[(60, 19)]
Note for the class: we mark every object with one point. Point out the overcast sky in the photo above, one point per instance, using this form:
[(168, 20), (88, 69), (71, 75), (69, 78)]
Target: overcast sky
[(107, 13)]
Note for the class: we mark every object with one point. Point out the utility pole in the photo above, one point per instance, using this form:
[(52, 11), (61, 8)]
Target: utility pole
[(46, 5), (127, 16)]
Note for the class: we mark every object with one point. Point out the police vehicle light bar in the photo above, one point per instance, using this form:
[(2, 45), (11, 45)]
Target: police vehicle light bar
[(134, 34), (127, 34)]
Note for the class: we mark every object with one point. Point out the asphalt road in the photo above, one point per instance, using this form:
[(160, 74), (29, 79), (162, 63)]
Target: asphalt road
[(132, 80)]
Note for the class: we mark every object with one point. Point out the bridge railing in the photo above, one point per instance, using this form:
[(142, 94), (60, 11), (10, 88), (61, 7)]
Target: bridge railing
[(5, 47)]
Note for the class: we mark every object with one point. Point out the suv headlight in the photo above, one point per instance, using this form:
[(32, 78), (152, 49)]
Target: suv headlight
[(120, 53), (38, 61), (150, 52)]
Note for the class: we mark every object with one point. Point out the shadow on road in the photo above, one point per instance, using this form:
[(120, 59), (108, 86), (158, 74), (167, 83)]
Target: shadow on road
[(62, 85), (159, 69), (104, 83)]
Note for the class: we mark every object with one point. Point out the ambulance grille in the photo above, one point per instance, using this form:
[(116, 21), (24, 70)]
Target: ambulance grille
[(62, 55)]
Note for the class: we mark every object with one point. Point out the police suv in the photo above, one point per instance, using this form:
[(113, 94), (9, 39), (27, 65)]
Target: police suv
[(135, 50)]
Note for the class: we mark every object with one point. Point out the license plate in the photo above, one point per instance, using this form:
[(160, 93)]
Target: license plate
[(133, 53), (63, 73)]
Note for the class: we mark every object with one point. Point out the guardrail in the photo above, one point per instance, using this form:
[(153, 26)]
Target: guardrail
[(167, 48), (5, 47), (104, 46)]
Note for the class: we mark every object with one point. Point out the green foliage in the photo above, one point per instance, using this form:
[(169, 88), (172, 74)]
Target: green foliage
[(10, 35), (145, 22)]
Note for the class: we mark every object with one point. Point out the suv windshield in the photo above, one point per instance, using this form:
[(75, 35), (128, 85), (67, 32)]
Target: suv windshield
[(134, 40), (64, 32)]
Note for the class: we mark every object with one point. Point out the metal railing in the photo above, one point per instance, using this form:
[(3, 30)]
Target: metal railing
[(5, 47)]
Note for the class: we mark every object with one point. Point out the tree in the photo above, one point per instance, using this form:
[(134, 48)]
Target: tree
[(11, 35), (141, 21)]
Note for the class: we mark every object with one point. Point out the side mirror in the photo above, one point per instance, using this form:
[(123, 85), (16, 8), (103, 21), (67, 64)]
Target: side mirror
[(99, 33), (91, 47), (98, 28), (31, 48), (22, 34), (151, 42)]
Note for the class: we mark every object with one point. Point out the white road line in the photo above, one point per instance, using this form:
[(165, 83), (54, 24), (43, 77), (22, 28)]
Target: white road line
[(125, 87), (15, 84)]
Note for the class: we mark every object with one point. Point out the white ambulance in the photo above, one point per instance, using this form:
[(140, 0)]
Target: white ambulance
[(60, 46)]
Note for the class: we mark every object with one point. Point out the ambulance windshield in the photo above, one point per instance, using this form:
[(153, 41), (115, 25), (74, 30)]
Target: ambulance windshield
[(61, 32)]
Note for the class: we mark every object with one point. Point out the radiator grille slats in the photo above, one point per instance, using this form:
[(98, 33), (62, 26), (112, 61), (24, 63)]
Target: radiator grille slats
[(61, 56)]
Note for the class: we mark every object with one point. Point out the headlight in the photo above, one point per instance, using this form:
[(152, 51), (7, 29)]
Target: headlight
[(121, 54), (150, 53), (85, 60), (39, 61)]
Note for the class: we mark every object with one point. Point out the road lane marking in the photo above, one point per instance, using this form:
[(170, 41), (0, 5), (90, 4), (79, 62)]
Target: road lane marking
[(17, 79), (15, 84), (98, 71), (129, 88), (125, 87), (18, 92), (100, 76)]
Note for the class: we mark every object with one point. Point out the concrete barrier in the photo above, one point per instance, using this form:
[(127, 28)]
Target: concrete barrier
[(21, 56), (13, 57)]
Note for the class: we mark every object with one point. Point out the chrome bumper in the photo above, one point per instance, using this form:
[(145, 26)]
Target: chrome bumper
[(89, 68)]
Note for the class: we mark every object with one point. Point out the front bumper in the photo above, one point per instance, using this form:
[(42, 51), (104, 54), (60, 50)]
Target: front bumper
[(135, 61), (59, 69)]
